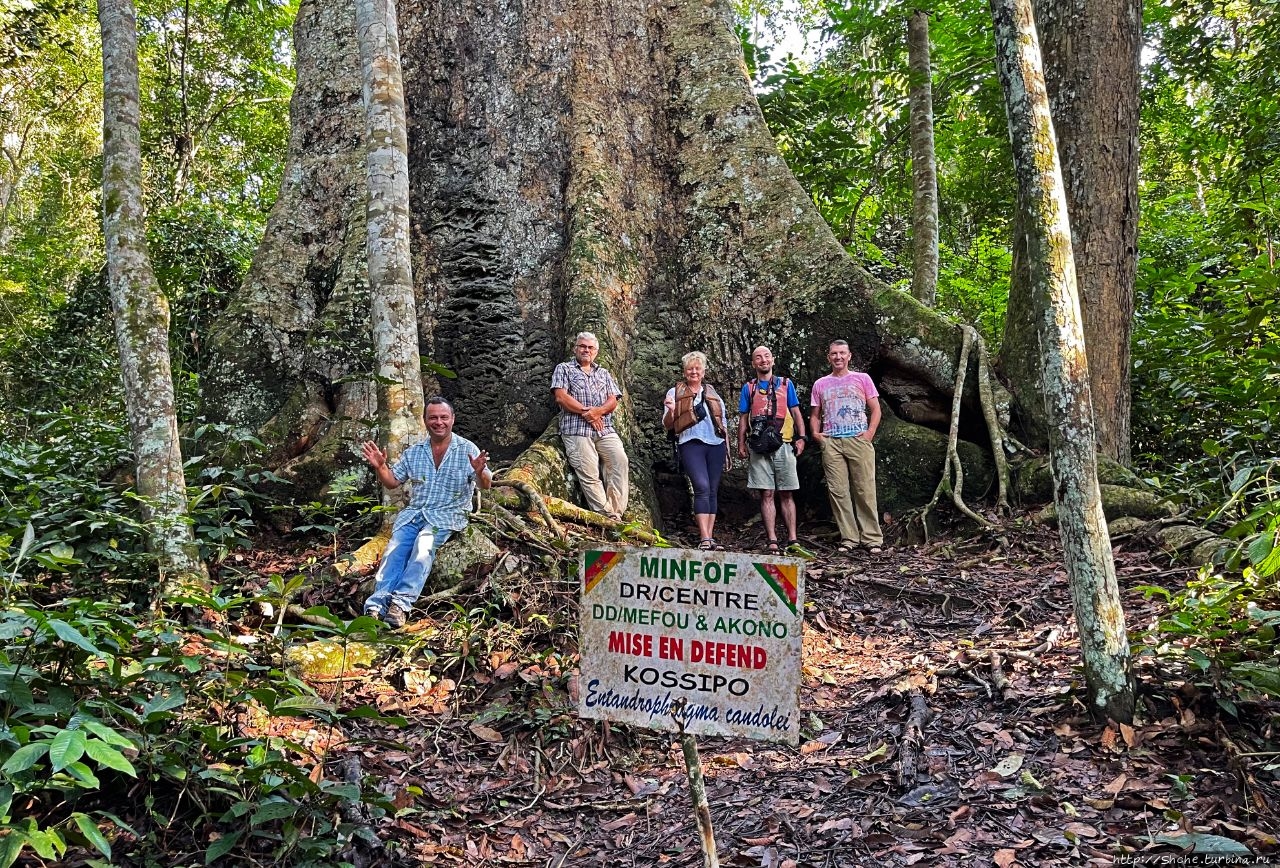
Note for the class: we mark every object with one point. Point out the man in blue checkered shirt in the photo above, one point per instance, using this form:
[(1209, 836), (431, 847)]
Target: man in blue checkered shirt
[(587, 396), (443, 473)]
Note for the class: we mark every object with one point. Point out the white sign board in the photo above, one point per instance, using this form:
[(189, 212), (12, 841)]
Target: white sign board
[(719, 629)]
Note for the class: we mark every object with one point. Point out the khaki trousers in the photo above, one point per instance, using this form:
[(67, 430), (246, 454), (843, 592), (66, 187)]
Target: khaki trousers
[(850, 467), (587, 455)]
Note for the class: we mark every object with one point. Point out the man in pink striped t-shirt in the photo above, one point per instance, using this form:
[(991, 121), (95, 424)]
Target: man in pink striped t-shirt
[(843, 422)]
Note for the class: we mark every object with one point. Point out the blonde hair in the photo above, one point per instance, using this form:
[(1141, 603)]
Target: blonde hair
[(689, 358)]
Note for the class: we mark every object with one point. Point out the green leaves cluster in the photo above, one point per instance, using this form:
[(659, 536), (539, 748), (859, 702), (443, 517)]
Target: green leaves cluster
[(843, 127), (96, 702), (1225, 629)]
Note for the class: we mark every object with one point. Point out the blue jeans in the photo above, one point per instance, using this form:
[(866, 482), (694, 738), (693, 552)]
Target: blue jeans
[(406, 564), (703, 464)]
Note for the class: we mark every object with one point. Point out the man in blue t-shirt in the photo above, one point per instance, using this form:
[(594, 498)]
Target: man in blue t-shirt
[(774, 397)]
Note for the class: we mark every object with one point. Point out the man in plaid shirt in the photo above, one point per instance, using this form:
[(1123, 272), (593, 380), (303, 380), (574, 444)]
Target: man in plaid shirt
[(587, 395), (443, 473)]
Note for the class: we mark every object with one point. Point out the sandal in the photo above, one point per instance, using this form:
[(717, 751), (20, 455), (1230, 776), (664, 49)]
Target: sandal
[(716, 546), (792, 542), (771, 547), (707, 545), (846, 547), (874, 550)]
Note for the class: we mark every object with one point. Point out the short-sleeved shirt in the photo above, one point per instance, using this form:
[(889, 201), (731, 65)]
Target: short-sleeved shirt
[(592, 389), (441, 495), (705, 428), (844, 403), (759, 404)]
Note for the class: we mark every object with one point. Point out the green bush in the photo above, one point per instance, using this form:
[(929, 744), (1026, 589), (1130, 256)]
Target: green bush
[(97, 702)]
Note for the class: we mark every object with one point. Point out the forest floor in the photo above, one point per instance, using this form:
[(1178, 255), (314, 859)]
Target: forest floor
[(495, 768)]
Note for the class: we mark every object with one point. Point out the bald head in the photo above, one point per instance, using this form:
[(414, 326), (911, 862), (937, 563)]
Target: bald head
[(762, 361)]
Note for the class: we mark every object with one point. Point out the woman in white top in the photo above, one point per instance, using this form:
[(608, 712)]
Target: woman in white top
[(696, 414)]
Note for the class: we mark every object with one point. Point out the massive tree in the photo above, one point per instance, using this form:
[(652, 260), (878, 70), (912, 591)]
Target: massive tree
[(140, 309), (1091, 54), (597, 166)]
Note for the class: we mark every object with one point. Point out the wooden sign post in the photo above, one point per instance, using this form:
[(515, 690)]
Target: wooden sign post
[(703, 643)]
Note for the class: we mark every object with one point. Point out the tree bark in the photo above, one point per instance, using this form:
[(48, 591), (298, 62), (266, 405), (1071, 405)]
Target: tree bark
[(1091, 57), (394, 309), (1050, 263), (599, 167), (924, 171), (140, 309)]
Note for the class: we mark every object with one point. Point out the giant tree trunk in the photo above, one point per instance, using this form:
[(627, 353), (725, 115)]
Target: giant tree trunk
[(394, 309), (140, 310), (582, 166), (1091, 56), (924, 167), (1050, 265)]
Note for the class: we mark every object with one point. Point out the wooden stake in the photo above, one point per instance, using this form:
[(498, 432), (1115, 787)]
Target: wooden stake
[(697, 787)]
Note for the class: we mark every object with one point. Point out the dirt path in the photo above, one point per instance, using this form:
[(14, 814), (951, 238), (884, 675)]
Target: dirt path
[(495, 769)]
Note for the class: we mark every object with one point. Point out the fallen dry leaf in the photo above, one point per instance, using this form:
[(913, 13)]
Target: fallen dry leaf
[(485, 733), (1005, 858)]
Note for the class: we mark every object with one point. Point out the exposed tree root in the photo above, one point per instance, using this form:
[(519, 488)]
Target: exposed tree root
[(365, 558), (999, 438), (534, 500), (952, 466)]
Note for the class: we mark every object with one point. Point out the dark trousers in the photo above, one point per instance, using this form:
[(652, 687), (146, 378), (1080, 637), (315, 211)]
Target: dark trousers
[(704, 465)]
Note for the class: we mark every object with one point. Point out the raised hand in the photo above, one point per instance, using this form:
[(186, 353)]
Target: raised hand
[(480, 462), (375, 456)]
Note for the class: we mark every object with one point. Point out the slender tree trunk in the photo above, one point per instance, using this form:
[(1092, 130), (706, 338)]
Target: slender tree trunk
[(394, 310), (1087, 549), (1091, 61), (141, 311), (924, 171)]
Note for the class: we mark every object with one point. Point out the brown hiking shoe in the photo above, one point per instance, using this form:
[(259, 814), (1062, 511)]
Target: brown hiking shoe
[(396, 617)]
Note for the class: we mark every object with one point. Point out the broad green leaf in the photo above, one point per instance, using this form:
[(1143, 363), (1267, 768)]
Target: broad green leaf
[(1269, 565), (157, 705), (303, 704), (14, 624), (47, 843), (1199, 658), (11, 847), (6, 801), (105, 755), (349, 792), (17, 691), (28, 537), (221, 847), (1260, 547), (1242, 476), (104, 732), (67, 633), (84, 775), (25, 757), (272, 811), (1203, 843), (91, 831), (68, 746)]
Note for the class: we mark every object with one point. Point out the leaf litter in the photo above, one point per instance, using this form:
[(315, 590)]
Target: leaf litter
[(494, 767)]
